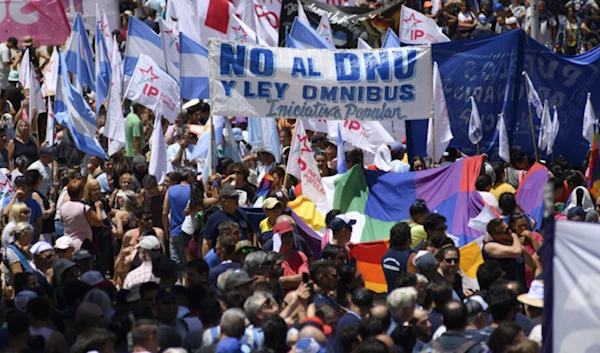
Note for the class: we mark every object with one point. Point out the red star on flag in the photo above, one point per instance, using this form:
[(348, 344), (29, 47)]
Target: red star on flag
[(412, 19), (149, 74), (304, 147), (239, 32)]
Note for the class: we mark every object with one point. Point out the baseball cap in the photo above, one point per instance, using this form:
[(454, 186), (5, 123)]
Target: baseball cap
[(236, 279), (44, 150), (229, 345), (282, 228), (576, 211), (149, 242), (270, 203), (397, 146), (166, 293), (92, 278), (482, 18), (139, 161), (23, 298), (81, 255), (245, 244), (309, 345), (512, 20), (498, 7), (64, 243), (316, 321), (476, 304), (60, 266), (340, 222), (13, 76), (40, 247), (426, 262), (535, 296), (228, 192)]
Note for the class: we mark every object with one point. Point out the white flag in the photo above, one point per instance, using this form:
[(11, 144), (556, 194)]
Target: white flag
[(474, 123), (51, 76), (170, 42), (324, 29), (301, 14), (532, 96), (302, 165), (24, 73), (316, 125), (50, 125), (254, 14), (362, 44), (158, 157), (589, 119), (37, 104), (239, 31), (114, 127), (108, 38), (366, 135), (6, 187), (503, 144), (439, 125), (154, 88), (545, 127), (554, 132), (416, 28)]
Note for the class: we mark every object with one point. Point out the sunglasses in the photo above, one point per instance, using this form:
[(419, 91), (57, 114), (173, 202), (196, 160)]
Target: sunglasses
[(236, 172), (452, 260), (26, 212), (147, 219), (49, 257), (246, 251)]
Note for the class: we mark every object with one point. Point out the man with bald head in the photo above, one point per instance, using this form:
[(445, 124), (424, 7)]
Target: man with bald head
[(455, 318), (299, 243), (422, 328)]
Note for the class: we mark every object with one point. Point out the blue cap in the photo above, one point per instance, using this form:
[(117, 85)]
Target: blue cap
[(576, 211), (498, 7), (340, 222), (229, 345), (309, 345), (237, 134)]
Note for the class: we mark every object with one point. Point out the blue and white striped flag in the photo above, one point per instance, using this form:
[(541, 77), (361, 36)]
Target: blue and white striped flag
[(342, 167), (307, 36), (141, 39), (103, 69), (72, 111), (194, 69), (391, 40), (79, 56)]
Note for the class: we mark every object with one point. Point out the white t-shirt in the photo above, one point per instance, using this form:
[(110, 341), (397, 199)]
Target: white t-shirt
[(46, 173), (5, 58)]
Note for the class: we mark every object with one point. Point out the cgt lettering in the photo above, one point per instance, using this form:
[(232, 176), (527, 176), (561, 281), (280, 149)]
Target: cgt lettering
[(381, 65)]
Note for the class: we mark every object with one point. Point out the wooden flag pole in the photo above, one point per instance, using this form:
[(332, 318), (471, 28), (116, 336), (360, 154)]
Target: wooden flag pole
[(531, 125), (432, 143), (212, 145), (477, 138)]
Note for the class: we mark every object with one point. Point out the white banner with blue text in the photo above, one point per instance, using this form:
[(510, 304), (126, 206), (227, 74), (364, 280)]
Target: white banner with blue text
[(378, 84)]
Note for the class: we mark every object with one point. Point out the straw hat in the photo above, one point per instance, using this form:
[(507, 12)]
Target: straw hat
[(535, 296)]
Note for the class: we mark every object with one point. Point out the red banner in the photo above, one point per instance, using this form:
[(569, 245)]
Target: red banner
[(44, 20)]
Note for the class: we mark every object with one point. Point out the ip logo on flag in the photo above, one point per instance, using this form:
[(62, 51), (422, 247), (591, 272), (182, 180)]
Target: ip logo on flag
[(416, 28)]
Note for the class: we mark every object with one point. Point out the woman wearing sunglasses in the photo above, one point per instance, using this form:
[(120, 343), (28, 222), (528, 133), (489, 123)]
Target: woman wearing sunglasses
[(18, 213)]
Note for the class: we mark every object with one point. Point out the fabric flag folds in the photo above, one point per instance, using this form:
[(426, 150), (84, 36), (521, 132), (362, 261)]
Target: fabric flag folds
[(316, 125), (230, 147), (50, 124), (141, 39), (51, 76), (194, 69), (391, 40), (72, 111), (532, 96), (342, 167), (302, 15), (114, 128), (79, 57), (324, 30), (262, 134), (158, 157), (593, 171), (214, 17), (307, 36), (439, 133), (503, 144), (554, 132), (363, 45), (303, 166), (530, 194), (545, 127), (589, 120), (170, 43), (416, 28), (103, 67), (154, 88), (475, 131), (260, 24)]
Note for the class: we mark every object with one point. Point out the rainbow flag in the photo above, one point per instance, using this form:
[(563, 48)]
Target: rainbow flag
[(530, 194), (593, 171)]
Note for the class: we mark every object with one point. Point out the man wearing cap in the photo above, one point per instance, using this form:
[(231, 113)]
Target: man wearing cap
[(273, 209), (5, 48), (134, 131), (295, 263), (230, 211), (43, 256), (64, 248), (224, 249), (65, 272), (341, 230), (239, 281), (167, 305), (299, 242), (14, 95), (44, 166), (140, 170), (149, 248), (84, 260)]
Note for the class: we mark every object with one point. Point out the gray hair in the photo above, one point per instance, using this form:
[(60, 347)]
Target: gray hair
[(227, 227), (254, 261), (233, 323), (400, 299), (422, 279), (22, 228), (222, 279), (254, 304)]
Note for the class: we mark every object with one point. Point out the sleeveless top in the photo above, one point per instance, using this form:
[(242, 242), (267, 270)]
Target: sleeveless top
[(155, 204), (28, 150), (514, 269), (48, 223), (393, 263), (179, 196)]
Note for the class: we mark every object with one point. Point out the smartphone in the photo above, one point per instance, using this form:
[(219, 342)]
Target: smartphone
[(305, 278)]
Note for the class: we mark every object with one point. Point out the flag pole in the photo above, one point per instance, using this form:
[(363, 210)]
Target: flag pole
[(212, 145), (285, 176), (531, 125), (433, 143), (477, 138)]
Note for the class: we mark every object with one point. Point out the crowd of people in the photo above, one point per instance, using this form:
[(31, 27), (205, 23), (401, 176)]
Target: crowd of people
[(99, 255)]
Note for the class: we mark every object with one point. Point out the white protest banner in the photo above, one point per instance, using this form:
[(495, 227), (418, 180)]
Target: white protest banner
[(153, 88), (380, 84), (416, 28)]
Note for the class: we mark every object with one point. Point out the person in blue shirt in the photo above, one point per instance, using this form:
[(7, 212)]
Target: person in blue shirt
[(399, 258), (22, 195), (360, 307)]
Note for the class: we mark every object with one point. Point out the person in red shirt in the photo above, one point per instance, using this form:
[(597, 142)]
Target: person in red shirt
[(294, 262)]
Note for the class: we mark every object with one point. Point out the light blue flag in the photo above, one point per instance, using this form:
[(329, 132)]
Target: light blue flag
[(193, 69), (292, 43), (103, 69), (263, 134), (72, 111), (203, 145), (79, 57), (307, 36), (230, 149), (141, 39), (391, 40), (341, 155)]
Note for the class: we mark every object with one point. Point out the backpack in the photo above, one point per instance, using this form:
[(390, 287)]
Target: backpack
[(463, 348)]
